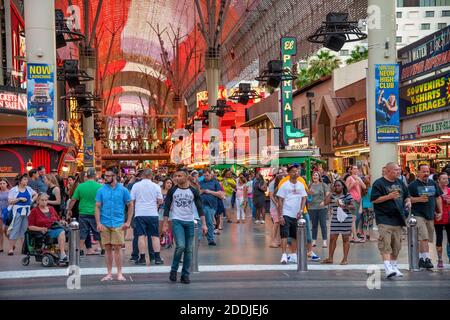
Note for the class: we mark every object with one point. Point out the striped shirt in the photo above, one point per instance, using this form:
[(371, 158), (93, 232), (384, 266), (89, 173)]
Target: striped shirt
[(344, 227)]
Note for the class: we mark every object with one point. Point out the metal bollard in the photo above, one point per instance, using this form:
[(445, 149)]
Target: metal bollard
[(74, 243), (302, 264), (194, 262), (413, 244)]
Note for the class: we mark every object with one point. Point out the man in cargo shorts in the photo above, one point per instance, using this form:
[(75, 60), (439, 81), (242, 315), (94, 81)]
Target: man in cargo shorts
[(110, 217), (390, 199), (426, 200)]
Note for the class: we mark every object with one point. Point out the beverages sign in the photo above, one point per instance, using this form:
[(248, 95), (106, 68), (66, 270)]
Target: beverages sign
[(425, 96), (288, 49)]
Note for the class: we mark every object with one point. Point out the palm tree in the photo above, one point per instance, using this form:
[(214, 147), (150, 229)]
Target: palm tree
[(323, 64), (303, 78), (358, 53)]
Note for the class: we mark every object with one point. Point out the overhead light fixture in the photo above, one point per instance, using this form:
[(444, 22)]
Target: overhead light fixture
[(63, 34), (444, 137), (336, 31), (244, 94), (275, 73)]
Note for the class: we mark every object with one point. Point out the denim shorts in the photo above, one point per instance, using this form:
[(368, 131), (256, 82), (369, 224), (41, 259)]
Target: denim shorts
[(147, 226), (87, 225), (54, 233)]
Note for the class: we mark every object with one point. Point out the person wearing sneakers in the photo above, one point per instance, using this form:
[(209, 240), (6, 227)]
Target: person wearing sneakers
[(390, 198), (147, 197), (309, 247), (179, 203), (444, 222), (292, 200), (85, 195), (318, 191), (111, 199), (211, 193), (426, 204), (241, 198)]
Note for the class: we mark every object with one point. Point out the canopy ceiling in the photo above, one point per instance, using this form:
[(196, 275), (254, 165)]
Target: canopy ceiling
[(128, 49)]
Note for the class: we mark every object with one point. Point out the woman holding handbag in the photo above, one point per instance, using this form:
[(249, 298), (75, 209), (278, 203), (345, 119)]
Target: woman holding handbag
[(341, 222), (20, 199)]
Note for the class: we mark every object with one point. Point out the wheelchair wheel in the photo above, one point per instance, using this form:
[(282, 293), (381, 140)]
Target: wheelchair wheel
[(48, 260), (26, 260)]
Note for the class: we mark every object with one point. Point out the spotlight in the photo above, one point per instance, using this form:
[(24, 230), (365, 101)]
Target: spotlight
[(336, 31), (274, 74)]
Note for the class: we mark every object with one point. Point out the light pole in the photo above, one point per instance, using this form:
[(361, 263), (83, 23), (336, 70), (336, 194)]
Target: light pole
[(310, 96)]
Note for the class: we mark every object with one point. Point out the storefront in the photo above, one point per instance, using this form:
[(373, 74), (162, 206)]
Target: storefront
[(19, 155), (425, 102), (13, 114)]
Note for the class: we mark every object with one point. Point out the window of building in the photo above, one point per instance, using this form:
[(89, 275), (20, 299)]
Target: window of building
[(446, 13), (399, 14), (344, 53), (441, 26), (427, 3), (442, 3), (399, 3), (429, 14), (425, 26), (398, 39)]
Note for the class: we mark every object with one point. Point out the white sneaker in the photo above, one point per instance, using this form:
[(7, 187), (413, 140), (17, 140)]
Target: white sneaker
[(292, 258), (397, 271), (284, 258), (389, 272), (262, 222)]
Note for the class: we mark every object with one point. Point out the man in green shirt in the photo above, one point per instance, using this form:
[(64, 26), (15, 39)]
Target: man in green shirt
[(85, 193)]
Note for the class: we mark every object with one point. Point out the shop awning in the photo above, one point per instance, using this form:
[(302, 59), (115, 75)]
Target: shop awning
[(273, 117), (355, 112)]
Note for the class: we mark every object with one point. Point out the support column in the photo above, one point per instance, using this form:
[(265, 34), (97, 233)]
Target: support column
[(381, 27), (212, 68), (41, 49), (88, 64)]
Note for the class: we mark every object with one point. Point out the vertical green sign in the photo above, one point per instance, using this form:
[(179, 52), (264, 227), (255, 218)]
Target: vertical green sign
[(288, 50)]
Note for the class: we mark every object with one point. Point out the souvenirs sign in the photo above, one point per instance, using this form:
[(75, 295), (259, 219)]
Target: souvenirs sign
[(425, 96)]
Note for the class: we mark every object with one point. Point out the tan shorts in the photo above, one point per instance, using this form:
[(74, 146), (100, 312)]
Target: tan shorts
[(425, 229), (390, 239), (113, 236)]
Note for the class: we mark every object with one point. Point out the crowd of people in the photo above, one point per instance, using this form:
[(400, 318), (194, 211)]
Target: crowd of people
[(162, 211)]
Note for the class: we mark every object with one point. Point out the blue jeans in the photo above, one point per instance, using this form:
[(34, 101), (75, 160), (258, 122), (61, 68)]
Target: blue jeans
[(252, 207), (308, 228), (183, 232), (209, 217), (319, 216)]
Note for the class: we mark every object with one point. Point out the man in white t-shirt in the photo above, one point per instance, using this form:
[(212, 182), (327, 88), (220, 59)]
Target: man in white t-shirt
[(292, 200), (147, 197)]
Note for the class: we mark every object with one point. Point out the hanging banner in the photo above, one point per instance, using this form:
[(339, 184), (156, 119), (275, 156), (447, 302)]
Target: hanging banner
[(88, 154), (386, 101), (40, 95), (288, 50)]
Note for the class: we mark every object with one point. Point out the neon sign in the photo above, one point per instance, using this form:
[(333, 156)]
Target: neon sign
[(288, 49)]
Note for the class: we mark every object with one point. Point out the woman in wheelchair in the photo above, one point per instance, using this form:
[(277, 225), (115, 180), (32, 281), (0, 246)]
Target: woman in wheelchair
[(44, 219)]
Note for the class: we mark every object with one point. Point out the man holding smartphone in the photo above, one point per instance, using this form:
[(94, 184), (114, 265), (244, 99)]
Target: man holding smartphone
[(390, 199), (426, 200)]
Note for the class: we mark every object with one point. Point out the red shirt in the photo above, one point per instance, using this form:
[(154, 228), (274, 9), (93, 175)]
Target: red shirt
[(445, 207), (38, 219)]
